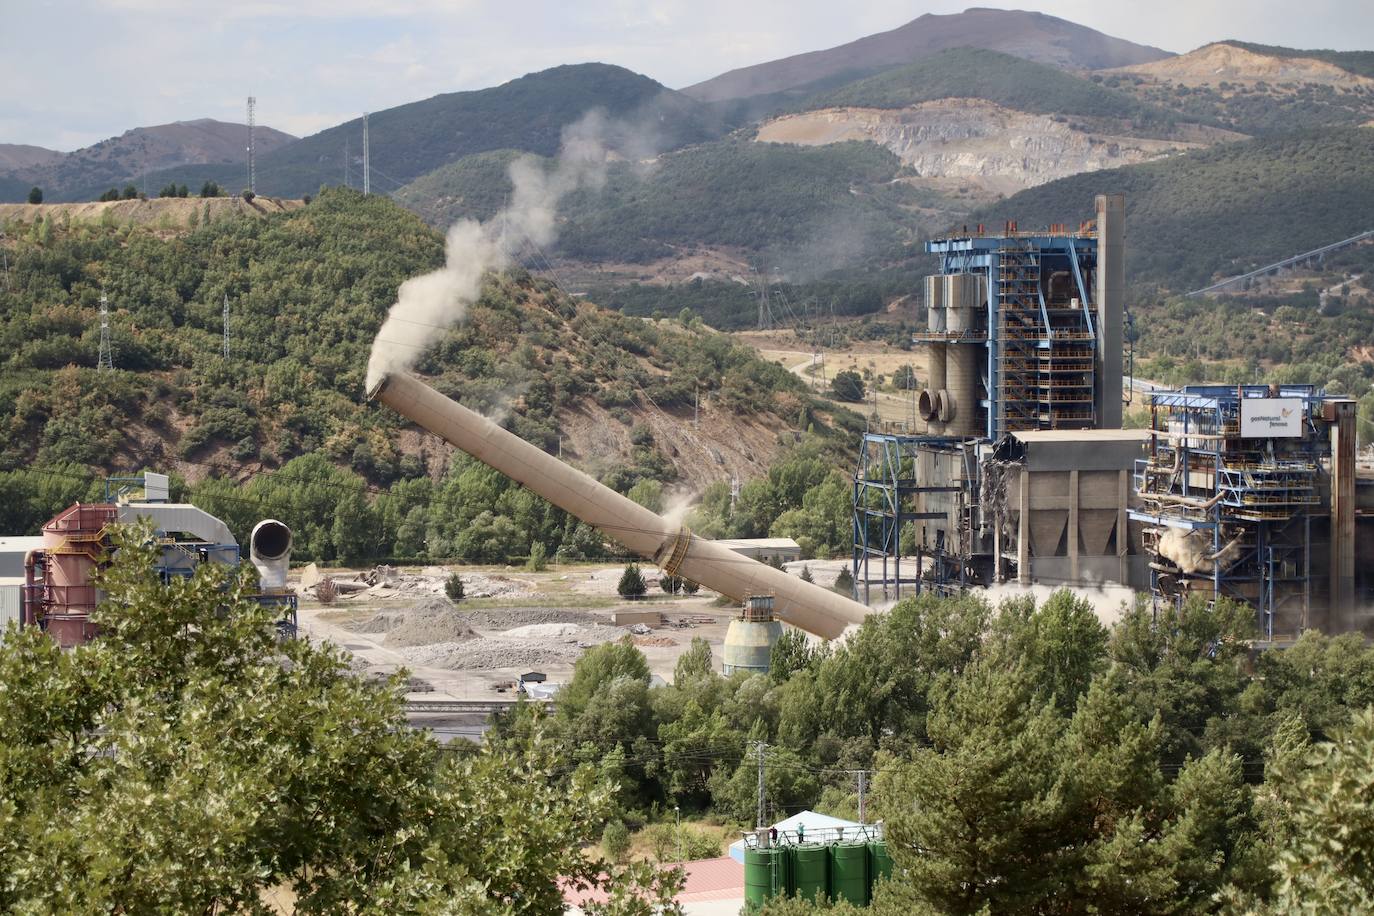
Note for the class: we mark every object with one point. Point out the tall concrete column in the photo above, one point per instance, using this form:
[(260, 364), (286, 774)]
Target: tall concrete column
[(1023, 545), (1111, 303), (1072, 536), (1342, 614)]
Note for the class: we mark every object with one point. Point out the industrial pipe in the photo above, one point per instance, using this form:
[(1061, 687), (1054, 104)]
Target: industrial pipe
[(269, 549), (671, 547)]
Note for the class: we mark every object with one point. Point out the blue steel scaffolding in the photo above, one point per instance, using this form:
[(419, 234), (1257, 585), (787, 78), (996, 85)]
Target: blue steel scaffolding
[(1040, 341), (1228, 514), (889, 500)]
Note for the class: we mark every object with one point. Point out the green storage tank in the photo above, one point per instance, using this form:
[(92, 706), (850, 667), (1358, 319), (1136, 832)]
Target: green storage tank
[(810, 871), (759, 881), (849, 873), (879, 862)]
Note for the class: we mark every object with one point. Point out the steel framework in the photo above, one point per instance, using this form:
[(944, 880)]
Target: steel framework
[(1247, 501), (888, 498)]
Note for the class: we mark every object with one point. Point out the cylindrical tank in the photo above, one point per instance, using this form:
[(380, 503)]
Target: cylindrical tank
[(749, 645), (964, 416), (759, 879), (674, 548), (269, 549), (879, 862), (849, 873), (73, 542), (935, 303), (963, 302), (811, 871)]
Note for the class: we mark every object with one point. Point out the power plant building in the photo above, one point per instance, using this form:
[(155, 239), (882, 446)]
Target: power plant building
[(1023, 473)]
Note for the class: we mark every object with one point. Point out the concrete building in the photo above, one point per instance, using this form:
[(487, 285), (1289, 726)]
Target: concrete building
[(765, 550)]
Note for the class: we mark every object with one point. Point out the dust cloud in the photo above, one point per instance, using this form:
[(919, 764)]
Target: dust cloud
[(428, 305)]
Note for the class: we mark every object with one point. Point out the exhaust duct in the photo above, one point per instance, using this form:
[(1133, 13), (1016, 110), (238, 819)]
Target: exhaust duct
[(269, 550)]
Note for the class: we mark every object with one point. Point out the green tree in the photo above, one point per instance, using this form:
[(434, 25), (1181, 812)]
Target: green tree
[(615, 840), (631, 583), (848, 385), (453, 587), (189, 761), (35, 195), (539, 557), (130, 192)]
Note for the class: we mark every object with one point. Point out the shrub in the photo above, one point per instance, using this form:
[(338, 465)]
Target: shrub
[(615, 840), (631, 583), (35, 195), (453, 587), (848, 385), (806, 574), (844, 582), (539, 557)]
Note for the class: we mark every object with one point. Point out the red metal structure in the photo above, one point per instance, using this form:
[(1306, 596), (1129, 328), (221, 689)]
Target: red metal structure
[(57, 579)]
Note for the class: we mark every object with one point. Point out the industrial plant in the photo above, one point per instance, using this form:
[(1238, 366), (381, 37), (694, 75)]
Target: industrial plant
[(1021, 473), (1024, 474), (49, 579)]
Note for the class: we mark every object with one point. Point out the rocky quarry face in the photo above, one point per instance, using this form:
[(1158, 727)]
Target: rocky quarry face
[(973, 139)]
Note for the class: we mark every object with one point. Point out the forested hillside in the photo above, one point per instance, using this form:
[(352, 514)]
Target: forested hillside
[(528, 114), (824, 207), (307, 291), (1221, 211)]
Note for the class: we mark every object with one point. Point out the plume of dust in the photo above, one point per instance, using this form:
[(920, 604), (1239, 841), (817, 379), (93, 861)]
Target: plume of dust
[(428, 305), (1108, 599), (1185, 549)]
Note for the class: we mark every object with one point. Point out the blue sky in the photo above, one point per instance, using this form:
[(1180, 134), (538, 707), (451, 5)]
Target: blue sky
[(77, 71)]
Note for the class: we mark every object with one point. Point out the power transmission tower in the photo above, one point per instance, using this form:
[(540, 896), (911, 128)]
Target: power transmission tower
[(252, 129), (367, 160), (863, 793), (226, 325), (106, 358), (5, 256), (760, 747)]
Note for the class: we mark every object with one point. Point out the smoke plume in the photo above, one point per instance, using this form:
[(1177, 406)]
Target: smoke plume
[(428, 305)]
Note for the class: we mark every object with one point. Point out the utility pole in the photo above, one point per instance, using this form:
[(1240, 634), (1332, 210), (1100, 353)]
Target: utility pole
[(226, 325), (348, 162), (863, 791), (760, 747), (734, 493), (252, 129), (696, 410), (367, 159), (106, 359), (5, 256)]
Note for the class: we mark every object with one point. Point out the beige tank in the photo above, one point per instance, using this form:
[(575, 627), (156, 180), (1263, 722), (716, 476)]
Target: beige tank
[(673, 548)]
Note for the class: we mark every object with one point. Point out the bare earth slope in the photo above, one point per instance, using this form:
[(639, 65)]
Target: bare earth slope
[(1034, 36), (999, 148), (1213, 64), (157, 213)]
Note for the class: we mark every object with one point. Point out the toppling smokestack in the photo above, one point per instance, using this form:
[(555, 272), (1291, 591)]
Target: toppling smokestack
[(1111, 305), (673, 548)]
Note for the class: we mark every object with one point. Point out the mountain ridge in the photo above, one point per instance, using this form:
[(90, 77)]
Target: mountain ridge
[(1034, 36)]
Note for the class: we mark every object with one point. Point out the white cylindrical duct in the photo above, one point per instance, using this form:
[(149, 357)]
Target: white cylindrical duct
[(675, 549), (963, 302), (935, 303), (269, 550), (963, 377), (936, 367)]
